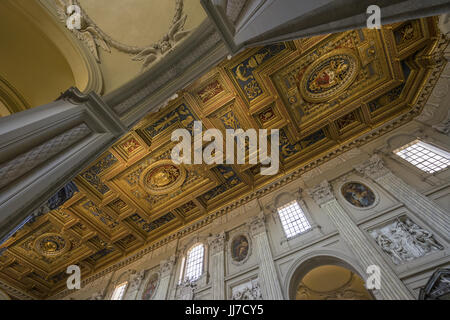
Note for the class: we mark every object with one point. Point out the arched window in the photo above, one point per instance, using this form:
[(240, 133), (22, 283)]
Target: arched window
[(194, 262), (119, 291), (293, 219), (424, 156)]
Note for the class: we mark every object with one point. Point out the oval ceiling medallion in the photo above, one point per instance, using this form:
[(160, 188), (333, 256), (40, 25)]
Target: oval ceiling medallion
[(329, 76), (51, 245), (163, 177)]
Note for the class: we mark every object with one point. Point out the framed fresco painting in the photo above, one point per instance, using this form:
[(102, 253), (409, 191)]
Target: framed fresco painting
[(358, 194)]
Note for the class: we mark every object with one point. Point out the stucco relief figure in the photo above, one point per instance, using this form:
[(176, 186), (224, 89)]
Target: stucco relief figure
[(247, 291), (185, 290), (396, 251), (422, 237), (239, 248), (358, 194), (403, 241)]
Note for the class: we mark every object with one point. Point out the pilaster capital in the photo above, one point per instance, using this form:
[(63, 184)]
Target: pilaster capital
[(216, 243), (257, 224), (322, 193), (136, 279), (166, 266), (373, 168)]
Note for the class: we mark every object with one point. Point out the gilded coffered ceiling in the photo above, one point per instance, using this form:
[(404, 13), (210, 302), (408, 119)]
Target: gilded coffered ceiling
[(326, 94)]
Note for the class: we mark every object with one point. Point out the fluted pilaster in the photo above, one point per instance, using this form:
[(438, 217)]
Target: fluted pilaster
[(216, 247), (268, 275), (421, 205), (166, 271), (135, 283), (391, 286)]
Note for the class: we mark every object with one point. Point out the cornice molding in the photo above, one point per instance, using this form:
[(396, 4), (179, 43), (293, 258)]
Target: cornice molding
[(10, 290)]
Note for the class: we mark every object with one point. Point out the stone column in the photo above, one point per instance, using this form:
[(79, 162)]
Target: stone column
[(166, 269), (392, 288), (217, 265), (425, 208), (43, 148), (268, 277)]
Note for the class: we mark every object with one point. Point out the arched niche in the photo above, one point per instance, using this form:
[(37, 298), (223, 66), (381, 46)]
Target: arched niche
[(284, 198), (42, 59), (326, 275)]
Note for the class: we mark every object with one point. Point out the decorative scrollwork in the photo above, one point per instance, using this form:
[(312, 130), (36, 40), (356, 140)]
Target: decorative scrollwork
[(94, 37)]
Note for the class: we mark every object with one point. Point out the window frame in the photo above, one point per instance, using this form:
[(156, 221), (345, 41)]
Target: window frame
[(123, 284), (439, 150), (185, 262), (303, 211)]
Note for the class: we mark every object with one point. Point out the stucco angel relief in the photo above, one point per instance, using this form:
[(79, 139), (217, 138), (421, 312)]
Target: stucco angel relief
[(84, 28), (86, 32)]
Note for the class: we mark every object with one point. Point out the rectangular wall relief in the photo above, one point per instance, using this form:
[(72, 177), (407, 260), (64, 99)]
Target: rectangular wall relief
[(403, 240)]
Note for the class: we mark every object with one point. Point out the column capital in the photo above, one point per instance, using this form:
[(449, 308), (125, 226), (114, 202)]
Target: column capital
[(373, 168), (322, 193), (166, 266), (257, 224), (216, 243), (136, 279)]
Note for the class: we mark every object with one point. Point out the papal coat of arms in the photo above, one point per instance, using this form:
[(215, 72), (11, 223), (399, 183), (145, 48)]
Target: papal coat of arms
[(329, 76)]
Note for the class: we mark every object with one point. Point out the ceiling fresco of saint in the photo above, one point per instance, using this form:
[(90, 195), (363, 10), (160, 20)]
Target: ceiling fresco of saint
[(326, 94)]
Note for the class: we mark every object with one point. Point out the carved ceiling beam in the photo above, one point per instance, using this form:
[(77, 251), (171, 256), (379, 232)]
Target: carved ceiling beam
[(366, 118), (139, 234), (200, 204), (246, 178), (89, 224), (25, 261), (333, 131), (135, 207)]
